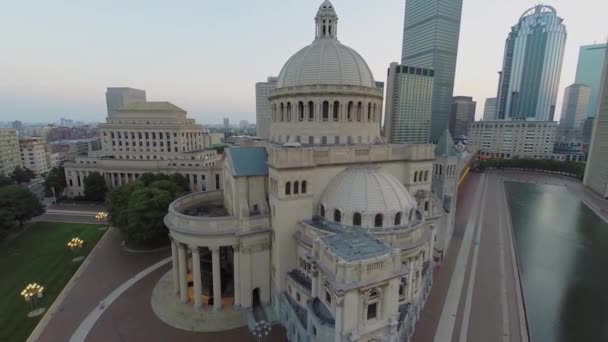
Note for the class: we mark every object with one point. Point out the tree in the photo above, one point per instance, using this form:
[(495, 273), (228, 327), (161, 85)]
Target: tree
[(146, 212), (118, 204), (21, 202), (55, 179), (4, 180), (181, 181), (174, 189), (95, 187), (22, 175)]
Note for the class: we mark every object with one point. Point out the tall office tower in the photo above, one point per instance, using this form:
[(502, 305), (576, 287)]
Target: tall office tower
[(226, 123), (118, 97), (9, 151), (532, 66), (589, 72), (587, 132), (489, 109), (409, 99), (243, 124), (596, 170), (575, 106), (462, 114), (263, 111), (430, 40)]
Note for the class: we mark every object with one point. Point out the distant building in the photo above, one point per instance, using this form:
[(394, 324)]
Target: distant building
[(33, 152), (243, 124), (431, 30), (589, 72), (118, 97), (532, 66), (263, 110), (489, 109), (462, 114), (63, 122), (409, 99), (9, 151), (596, 171), (226, 123), (587, 130), (575, 106), (17, 124), (517, 138)]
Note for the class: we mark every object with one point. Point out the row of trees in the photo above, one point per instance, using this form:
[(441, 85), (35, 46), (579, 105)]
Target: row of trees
[(138, 208), (570, 168), (19, 175)]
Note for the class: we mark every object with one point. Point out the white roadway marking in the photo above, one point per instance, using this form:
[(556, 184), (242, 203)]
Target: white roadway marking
[(447, 320), (87, 324), (503, 282), (466, 315)]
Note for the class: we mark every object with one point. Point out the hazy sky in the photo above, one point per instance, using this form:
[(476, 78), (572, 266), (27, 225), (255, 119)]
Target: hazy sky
[(57, 57)]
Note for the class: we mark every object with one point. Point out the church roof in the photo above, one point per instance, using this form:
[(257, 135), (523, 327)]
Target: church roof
[(446, 147), (248, 161), (356, 245), (161, 106)]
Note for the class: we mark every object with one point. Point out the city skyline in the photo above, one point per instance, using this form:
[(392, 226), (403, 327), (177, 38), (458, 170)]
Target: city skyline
[(53, 70)]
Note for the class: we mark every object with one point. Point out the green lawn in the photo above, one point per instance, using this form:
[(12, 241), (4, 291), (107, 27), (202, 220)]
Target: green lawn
[(38, 255)]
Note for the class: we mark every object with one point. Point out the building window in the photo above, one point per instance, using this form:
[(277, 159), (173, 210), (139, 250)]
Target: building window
[(369, 112), (303, 187), (378, 220), (398, 219), (288, 188), (311, 111), (357, 219), (296, 187), (337, 215), (426, 175), (349, 111), (328, 297), (359, 111), (415, 176), (372, 311), (426, 205), (325, 110), (336, 110), (301, 111), (322, 210)]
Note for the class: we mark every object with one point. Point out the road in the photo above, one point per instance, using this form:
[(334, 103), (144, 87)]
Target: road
[(476, 294)]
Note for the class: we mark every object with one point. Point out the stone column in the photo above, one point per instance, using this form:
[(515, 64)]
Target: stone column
[(196, 274), (338, 326), (113, 180), (175, 260), (217, 285), (236, 258), (315, 281), (183, 274)]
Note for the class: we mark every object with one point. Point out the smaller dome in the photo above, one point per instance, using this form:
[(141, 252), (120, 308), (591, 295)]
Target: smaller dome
[(366, 196)]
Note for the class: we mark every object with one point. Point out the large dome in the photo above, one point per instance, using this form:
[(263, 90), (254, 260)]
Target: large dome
[(326, 60), (369, 192)]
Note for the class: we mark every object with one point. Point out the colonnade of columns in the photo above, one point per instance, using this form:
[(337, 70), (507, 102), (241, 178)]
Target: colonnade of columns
[(180, 274)]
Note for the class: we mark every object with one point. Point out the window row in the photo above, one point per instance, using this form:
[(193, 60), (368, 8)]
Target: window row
[(326, 111), (357, 218), (420, 176), (449, 170), (323, 140), (298, 188)]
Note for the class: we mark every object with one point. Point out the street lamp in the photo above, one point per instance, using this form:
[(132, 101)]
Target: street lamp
[(31, 294), (75, 245), (261, 331), (101, 216)]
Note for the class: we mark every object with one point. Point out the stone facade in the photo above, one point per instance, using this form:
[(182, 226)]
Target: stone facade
[(9, 151)]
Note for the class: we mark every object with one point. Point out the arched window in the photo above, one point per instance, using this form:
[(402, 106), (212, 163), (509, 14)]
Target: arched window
[(398, 219), (303, 187), (311, 111), (282, 112), (301, 111), (288, 188), (336, 111), (322, 210), (296, 187), (357, 220), (337, 216), (359, 111), (415, 176), (440, 169), (369, 112), (378, 220), (288, 111), (426, 175), (325, 110), (349, 111), (411, 214), (375, 112)]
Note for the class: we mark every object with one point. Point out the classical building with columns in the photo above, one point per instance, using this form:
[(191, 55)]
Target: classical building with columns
[(141, 136), (325, 229)]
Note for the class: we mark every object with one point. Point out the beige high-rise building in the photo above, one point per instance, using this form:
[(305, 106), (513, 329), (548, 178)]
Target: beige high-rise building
[(596, 172), (263, 110), (33, 152), (142, 136), (9, 151)]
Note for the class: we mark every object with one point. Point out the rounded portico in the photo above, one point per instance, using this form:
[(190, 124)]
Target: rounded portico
[(326, 93), (210, 248)]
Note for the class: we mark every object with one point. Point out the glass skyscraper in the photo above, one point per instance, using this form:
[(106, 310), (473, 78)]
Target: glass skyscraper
[(532, 66), (589, 72), (430, 40)]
